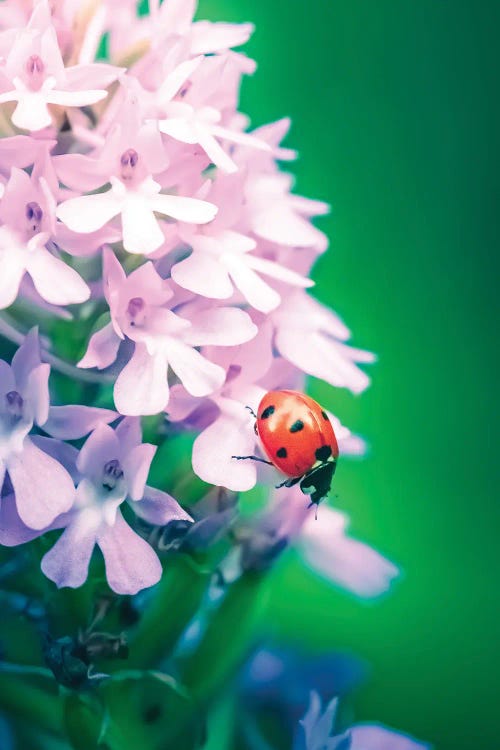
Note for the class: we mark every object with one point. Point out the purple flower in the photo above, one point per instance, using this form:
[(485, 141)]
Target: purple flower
[(27, 213), (35, 69), (111, 468), (222, 257), (132, 153), (317, 725), (43, 488), (301, 319), (326, 547), (162, 339)]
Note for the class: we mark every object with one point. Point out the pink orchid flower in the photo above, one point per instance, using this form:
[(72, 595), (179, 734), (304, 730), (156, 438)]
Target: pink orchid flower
[(27, 213), (162, 339), (131, 155), (112, 467), (35, 69)]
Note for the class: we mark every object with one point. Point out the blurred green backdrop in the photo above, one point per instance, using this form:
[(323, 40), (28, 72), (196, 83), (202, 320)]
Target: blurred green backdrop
[(396, 115)]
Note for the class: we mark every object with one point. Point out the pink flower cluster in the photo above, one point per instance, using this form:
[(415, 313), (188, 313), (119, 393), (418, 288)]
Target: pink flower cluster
[(147, 163)]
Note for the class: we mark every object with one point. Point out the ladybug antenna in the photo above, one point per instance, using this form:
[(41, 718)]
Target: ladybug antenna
[(251, 411)]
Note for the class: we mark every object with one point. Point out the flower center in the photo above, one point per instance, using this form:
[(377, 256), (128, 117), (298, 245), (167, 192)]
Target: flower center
[(14, 403), (35, 70), (136, 311), (111, 474), (128, 162), (34, 216)]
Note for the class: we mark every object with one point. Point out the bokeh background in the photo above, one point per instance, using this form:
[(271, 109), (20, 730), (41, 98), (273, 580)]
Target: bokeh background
[(396, 116)]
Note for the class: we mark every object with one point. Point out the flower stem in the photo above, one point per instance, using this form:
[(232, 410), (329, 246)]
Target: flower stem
[(10, 332)]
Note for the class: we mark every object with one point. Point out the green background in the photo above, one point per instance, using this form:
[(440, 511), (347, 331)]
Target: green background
[(395, 111)]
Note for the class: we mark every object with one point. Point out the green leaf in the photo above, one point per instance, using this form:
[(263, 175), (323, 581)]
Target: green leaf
[(30, 694), (174, 603), (150, 711), (83, 720)]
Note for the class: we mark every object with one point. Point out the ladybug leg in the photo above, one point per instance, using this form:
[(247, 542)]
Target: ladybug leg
[(253, 458), (251, 411), (289, 482), (316, 511)]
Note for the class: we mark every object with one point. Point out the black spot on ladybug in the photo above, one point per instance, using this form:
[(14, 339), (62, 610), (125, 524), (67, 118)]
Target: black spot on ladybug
[(323, 453), (297, 426), (267, 412), (281, 453), (325, 415)]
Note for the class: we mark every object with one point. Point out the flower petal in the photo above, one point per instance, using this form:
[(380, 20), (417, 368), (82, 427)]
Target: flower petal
[(75, 98), (101, 446), (67, 563), (73, 422), (26, 358), (159, 508), (89, 212), (31, 112), (136, 466), (142, 388), (141, 231), (131, 564), (54, 280), (13, 270), (43, 488), (203, 274), (191, 210), (342, 560), (277, 271), (12, 530), (102, 349), (198, 375), (215, 152), (98, 75), (36, 393), (324, 358), (213, 448), (222, 326), (256, 291), (373, 737)]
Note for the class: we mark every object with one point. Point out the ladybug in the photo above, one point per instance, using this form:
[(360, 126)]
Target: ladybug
[(298, 438)]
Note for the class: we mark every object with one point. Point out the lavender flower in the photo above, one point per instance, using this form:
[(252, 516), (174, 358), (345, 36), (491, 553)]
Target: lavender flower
[(317, 726), (111, 468)]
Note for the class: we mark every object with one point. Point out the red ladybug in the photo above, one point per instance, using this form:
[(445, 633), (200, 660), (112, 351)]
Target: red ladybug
[(298, 438)]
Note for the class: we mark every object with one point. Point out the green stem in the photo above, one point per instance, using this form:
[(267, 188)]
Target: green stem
[(176, 601), (10, 332), (31, 694), (216, 658)]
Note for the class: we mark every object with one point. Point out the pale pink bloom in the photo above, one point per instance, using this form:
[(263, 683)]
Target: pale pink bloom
[(112, 467), (189, 125), (174, 19), (35, 69), (325, 546), (223, 258), (279, 216), (27, 212), (195, 116), (42, 487), (162, 339), (128, 159), (312, 338), (21, 151)]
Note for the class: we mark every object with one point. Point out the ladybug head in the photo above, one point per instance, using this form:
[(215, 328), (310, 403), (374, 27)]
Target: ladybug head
[(318, 481)]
